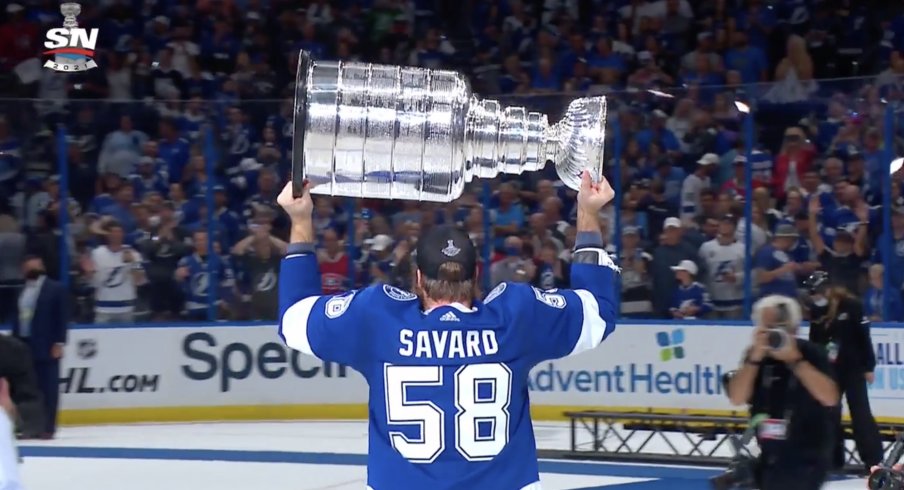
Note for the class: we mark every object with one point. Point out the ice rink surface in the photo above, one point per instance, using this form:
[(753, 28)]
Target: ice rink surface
[(286, 456)]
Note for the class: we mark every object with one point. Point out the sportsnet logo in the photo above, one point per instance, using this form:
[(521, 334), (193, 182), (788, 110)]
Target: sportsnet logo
[(71, 47)]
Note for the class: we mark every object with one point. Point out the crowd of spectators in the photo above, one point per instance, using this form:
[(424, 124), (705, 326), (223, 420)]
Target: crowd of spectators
[(177, 145)]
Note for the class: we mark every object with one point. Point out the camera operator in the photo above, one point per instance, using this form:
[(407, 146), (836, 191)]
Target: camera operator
[(788, 380), (9, 457), (838, 325)]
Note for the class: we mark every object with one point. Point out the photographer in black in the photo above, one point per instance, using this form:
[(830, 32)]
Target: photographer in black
[(837, 324), (787, 381)]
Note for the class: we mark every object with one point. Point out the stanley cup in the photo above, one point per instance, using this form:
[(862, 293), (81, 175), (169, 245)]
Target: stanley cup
[(391, 132)]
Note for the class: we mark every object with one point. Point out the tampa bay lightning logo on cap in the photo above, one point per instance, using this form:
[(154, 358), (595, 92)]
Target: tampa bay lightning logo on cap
[(451, 250)]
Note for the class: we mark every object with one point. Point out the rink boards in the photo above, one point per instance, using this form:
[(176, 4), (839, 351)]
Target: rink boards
[(243, 372)]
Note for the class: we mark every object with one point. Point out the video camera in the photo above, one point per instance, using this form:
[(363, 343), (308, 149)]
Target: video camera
[(742, 469), (886, 478)]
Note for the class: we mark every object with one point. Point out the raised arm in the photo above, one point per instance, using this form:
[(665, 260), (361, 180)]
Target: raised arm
[(814, 208), (558, 323), (331, 328)]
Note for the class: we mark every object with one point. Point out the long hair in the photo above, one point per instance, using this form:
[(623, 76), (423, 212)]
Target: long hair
[(835, 294), (449, 285)]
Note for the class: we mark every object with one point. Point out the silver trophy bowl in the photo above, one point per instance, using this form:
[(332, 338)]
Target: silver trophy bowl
[(392, 132), (70, 11)]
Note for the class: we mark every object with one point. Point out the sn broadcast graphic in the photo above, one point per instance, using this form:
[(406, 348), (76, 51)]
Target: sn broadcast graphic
[(71, 47)]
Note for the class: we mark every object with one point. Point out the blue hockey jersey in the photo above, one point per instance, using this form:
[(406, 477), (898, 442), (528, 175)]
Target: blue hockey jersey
[(448, 387), (693, 294)]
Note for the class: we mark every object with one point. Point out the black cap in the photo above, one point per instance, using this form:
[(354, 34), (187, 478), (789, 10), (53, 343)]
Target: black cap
[(817, 282), (444, 244)]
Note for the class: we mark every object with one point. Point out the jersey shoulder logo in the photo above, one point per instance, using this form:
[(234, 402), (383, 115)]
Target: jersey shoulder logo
[(398, 294), (495, 293), (337, 305), (549, 298)]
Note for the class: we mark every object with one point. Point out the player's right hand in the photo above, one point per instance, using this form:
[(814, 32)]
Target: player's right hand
[(298, 208), (592, 196)]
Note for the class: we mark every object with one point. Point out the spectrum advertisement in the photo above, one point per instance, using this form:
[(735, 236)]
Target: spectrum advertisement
[(192, 366)]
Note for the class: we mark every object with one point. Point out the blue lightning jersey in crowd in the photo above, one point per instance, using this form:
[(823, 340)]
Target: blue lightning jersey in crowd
[(449, 402)]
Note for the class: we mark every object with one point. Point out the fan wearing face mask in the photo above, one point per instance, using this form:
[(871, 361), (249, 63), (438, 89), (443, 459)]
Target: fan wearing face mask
[(838, 324)]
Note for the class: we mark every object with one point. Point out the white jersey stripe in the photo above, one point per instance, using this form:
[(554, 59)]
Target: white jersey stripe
[(9, 458), (593, 327), (294, 325)]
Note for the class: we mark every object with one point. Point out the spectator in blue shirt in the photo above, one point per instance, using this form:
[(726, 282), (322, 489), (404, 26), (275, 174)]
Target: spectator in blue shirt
[(749, 61), (690, 299), (603, 58), (756, 20), (672, 178), (173, 149), (775, 269), (874, 304), (545, 78), (657, 132), (121, 208), (508, 216)]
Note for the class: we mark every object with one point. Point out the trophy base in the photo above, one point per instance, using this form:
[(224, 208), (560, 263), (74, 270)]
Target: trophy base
[(301, 109)]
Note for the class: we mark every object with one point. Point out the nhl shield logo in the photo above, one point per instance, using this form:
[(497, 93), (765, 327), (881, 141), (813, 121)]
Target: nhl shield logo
[(71, 47)]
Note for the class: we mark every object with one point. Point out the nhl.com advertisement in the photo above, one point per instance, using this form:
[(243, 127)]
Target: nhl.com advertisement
[(667, 366)]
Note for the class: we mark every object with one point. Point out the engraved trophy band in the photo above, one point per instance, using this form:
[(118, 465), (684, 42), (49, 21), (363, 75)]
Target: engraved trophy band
[(392, 132)]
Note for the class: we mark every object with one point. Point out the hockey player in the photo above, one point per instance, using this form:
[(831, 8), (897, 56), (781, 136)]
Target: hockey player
[(448, 373)]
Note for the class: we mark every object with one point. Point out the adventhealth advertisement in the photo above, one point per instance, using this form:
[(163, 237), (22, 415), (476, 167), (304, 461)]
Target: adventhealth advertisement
[(650, 366)]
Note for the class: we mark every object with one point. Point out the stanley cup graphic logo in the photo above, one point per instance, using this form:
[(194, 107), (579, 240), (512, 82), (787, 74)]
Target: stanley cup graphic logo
[(391, 132), (71, 47), (70, 11)]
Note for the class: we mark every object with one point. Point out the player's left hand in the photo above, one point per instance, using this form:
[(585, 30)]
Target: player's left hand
[(594, 195), (298, 208)]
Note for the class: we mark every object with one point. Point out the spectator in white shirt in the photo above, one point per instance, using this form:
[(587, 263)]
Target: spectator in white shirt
[(694, 184)]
